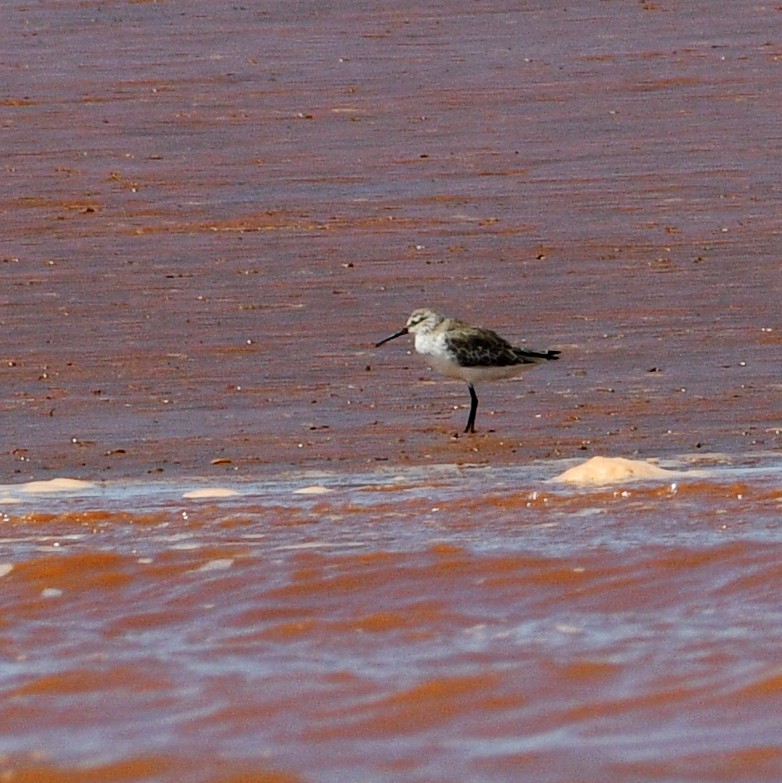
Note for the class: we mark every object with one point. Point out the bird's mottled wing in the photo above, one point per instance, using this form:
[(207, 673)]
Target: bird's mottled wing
[(473, 347)]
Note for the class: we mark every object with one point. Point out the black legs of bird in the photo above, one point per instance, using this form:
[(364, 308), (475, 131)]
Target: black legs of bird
[(473, 409)]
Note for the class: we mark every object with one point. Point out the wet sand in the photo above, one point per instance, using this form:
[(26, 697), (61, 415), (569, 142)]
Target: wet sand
[(212, 212)]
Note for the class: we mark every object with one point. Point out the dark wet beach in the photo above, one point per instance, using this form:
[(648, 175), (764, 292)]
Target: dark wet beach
[(211, 212)]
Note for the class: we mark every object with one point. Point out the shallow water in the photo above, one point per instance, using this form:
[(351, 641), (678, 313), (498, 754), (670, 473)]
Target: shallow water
[(211, 213), (432, 624)]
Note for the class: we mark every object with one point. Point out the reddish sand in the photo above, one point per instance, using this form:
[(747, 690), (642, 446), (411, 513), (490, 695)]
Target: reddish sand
[(211, 212)]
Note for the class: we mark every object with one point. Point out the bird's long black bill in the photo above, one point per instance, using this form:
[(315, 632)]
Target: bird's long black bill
[(392, 337)]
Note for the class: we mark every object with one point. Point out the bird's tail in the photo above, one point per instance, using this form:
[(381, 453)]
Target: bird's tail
[(538, 356)]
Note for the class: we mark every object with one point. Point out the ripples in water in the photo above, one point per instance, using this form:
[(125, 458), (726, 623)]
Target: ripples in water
[(450, 623)]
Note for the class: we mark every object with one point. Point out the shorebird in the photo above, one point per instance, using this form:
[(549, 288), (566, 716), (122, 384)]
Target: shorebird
[(472, 354)]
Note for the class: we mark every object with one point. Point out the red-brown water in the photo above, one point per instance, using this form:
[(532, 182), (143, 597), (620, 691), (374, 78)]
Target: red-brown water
[(453, 623), (210, 214)]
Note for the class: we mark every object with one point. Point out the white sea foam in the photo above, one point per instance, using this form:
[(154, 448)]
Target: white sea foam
[(211, 492), (614, 470), (315, 489), (219, 564), (55, 485)]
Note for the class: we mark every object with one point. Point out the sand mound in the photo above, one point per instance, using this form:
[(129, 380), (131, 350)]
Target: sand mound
[(613, 470)]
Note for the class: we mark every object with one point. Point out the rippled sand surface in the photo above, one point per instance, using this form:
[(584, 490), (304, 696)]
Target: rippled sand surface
[(237, 543)]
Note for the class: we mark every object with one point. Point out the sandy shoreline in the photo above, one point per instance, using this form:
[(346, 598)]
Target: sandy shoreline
[(202, 245)]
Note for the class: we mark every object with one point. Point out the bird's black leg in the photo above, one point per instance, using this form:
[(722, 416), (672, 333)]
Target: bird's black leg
[(473, 408)]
